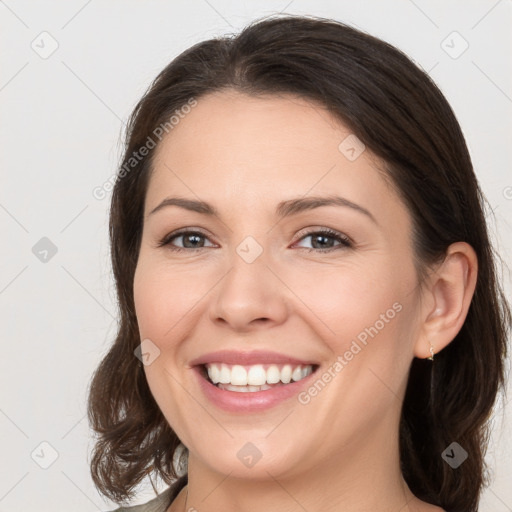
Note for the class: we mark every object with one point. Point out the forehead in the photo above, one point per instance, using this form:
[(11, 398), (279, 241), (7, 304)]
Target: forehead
[(245, 151)]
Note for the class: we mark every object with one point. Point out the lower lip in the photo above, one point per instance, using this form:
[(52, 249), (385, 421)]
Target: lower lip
[(251, 401)]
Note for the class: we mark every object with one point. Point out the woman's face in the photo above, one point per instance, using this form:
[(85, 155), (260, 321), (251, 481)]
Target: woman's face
[(258, 289)]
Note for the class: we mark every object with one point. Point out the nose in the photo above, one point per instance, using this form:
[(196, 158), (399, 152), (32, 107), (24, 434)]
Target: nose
[(249, 296)]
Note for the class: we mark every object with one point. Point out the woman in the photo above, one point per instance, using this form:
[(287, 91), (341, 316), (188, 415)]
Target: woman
[(308, 294)]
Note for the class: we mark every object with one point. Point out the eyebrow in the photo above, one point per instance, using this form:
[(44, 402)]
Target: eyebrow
[(283, 209)]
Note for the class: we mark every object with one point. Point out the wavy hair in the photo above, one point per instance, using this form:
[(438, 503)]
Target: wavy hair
[(399, 113)]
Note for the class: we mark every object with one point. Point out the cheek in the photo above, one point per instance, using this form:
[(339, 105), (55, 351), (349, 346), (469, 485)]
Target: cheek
[(163, 298), (365, 314), (348, 299), (161, 306)]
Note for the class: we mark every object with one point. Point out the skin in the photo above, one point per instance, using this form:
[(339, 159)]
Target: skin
[(244, 155)]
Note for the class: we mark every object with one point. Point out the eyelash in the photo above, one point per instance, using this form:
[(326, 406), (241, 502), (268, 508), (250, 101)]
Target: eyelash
[(345, 242)]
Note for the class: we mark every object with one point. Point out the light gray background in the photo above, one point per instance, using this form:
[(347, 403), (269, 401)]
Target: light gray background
[(61, 119)]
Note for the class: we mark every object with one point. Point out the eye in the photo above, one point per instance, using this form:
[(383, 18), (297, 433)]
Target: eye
[(190, 240), (325, 240)]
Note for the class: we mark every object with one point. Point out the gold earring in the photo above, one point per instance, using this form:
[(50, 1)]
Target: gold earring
[(431, 352)]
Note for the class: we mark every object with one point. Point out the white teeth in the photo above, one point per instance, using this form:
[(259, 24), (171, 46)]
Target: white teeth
[(297, 374), (286, 374), (273, 375), (244, 389), (225, 374), (255, 377), (213, 373), (238, 375)]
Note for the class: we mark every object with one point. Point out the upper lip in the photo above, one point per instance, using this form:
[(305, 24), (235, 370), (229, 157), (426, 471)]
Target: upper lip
[(248, 358)]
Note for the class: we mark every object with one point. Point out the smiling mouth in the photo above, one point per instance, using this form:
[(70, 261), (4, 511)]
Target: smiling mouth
[(253, 378)]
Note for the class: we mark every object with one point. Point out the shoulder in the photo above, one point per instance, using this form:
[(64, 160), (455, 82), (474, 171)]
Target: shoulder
[(158, 504)]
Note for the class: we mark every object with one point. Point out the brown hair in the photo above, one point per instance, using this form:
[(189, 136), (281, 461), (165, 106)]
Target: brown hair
[(402, 117)]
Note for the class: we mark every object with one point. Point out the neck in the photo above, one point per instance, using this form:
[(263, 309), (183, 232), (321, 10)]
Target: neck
[(363, 477)]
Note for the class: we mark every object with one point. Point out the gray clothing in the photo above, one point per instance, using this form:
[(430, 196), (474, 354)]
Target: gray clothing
[(160, 503)]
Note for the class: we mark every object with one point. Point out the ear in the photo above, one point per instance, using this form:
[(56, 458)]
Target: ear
[(446, 299)]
